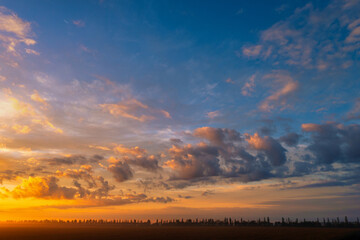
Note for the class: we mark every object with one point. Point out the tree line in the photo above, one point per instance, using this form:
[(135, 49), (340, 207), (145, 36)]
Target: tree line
[(285, 222)]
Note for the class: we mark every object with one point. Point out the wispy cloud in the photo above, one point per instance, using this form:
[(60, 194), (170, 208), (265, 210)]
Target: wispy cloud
[(249, 86), (303, 38), (281, 96), (79, 23), (213, 114), (14, 31), (134, 109)]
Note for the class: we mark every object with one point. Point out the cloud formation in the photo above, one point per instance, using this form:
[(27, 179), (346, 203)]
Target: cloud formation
[(334, 142), (121, 171), (303, 39), (42, 187), (226, 155), (272, 148)]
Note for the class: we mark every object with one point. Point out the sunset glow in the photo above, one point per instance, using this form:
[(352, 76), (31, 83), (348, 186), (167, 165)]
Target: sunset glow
[(179, 109)]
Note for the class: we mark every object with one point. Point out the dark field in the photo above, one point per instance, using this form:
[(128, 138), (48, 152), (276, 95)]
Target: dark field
[(79, 232)]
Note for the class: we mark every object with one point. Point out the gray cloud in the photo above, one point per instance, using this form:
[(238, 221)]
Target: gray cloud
[(76, 159), (150, 163), (225, 156), (290, 139), (332, 142), (121, 171)]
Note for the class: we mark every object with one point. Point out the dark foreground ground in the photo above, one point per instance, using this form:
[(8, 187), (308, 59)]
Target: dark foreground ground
[(88, 232)]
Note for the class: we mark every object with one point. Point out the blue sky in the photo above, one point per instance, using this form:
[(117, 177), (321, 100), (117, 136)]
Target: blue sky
[(186, 96)]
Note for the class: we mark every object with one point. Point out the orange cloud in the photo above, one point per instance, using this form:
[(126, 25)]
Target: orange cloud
[(46, 123), (100, 147), (134, 151), (310, 127), (22, 108), (37, 98), (165, 113), (13, 31), (21, 129), (18, 110), (42, 187), (133, 109), (128, 109), (255, 141)]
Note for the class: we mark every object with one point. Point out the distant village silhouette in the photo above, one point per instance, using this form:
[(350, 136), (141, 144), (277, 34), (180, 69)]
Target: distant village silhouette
[(285, 222)]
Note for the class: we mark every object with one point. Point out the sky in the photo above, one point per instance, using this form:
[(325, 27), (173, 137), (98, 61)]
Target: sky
[(179, 109)]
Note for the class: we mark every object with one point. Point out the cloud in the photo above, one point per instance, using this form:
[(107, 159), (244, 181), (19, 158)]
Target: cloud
[(159, 199), (104, 148), (42, 187), (229, 80), (218, 136), (136, 156), (252, 51), (48, 188), (213, 114), (150, 163), (134, 109), (207, 193), (121, 171), (79, 23), (104, 189), (37, 98), (282, 95), (334, 142), (10, 175), (128, 109), (74, 159), (190, 162), (115, 201), (354, 113), (21, 129), (354, 29), (133, 151), (185, 197), (269, 127), (225, 156), (85, 173), (272, 149), (249, 86), (314, 38), (22, 111), (31, 51), (13, 31), (290, 139)]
